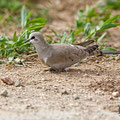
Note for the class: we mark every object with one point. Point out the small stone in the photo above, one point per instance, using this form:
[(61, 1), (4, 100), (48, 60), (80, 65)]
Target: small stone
[(63, 91), (111, 98), (44, 79), (67, 69), (97, 73), (17, 60), (116, 94), (63, 107), (90, 98), (4, 93), (7, 80), (75, 65), (97, 61), (29, 106), (18, 83), (76, 97), (48, 72), (85, 75)]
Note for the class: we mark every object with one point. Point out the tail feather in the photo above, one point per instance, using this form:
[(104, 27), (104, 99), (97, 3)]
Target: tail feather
[(92, 49), (105, 52)]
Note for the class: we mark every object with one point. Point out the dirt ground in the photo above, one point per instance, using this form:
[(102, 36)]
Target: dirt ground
[(84, 92)]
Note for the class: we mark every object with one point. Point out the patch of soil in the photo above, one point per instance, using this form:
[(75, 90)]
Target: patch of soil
[(83, 92)]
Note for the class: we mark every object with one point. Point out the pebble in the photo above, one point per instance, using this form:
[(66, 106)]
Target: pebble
[(76, 97), (67, 69), (44, 79), (97, 61), (17, 60), (4, 93), (18, 83), (116, 94), (48, 72), (85, 75), (76, 65), (63, 91), (7, 81)]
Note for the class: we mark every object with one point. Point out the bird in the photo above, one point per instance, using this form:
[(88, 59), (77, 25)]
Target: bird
[(60, 56)]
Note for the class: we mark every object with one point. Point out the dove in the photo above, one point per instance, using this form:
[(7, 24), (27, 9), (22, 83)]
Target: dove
[(61, 56)]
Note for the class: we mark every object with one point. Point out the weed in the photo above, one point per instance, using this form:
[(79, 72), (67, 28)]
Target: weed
[(63, 38), (91, 24), (16, 47)]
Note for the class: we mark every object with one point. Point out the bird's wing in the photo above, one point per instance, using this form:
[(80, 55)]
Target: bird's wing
[(86, 43), (64, 55)]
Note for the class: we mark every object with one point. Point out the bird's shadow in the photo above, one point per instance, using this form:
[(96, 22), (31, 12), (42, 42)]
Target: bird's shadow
[(73, 71)]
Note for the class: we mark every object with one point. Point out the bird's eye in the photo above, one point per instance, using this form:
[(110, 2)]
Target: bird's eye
[(33, 37)]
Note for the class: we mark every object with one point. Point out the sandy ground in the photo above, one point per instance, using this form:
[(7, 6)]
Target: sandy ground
[(84, 92)]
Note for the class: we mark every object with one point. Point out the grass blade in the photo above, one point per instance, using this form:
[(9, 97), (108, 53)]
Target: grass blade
[(23, 17)]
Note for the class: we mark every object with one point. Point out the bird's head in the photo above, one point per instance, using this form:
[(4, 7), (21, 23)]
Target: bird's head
[(35, 38)]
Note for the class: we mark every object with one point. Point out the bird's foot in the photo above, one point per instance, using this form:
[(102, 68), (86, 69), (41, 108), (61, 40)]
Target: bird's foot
[(55, 70)]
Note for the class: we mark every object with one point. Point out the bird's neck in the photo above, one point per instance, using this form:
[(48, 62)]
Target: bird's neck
[(42, 49)]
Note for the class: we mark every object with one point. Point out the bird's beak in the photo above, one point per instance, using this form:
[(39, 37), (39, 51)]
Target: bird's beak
[(27, 40)]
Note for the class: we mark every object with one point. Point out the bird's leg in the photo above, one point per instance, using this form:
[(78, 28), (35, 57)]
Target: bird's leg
[(56, 70), (60, 70)]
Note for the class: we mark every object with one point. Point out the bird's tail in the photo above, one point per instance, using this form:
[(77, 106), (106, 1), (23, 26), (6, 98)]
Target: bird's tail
[(108, 52), (93, 50)]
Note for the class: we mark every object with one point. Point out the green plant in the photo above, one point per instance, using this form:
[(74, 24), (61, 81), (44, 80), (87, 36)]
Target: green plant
[(16, 47), (63, 38), (10, 11), (112, 4), (91, 23)]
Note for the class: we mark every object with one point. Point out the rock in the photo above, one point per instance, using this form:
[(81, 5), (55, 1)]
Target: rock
[(4, 93), (44, 79), (18, 83), (48, 72), (76, 65), (76, 97), (116, 94), (17, 60), (85, 75), (67, 69), (7, 80), (63, 91)]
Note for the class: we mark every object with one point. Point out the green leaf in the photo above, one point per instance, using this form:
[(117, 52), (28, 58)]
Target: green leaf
[(110, 49), (38, 20), (28, 16), (10, 42), (79, 23), (101, 37), (64, 37), (87, 29), (56, 34), (14, 37), (23, 17), (78, 31), (111, 20), (36, 27), (107, 26), (101, 46), (27, 19), (10, 59)]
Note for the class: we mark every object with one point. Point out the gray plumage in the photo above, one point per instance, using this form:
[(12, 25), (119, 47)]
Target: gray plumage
[(60, 56)]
